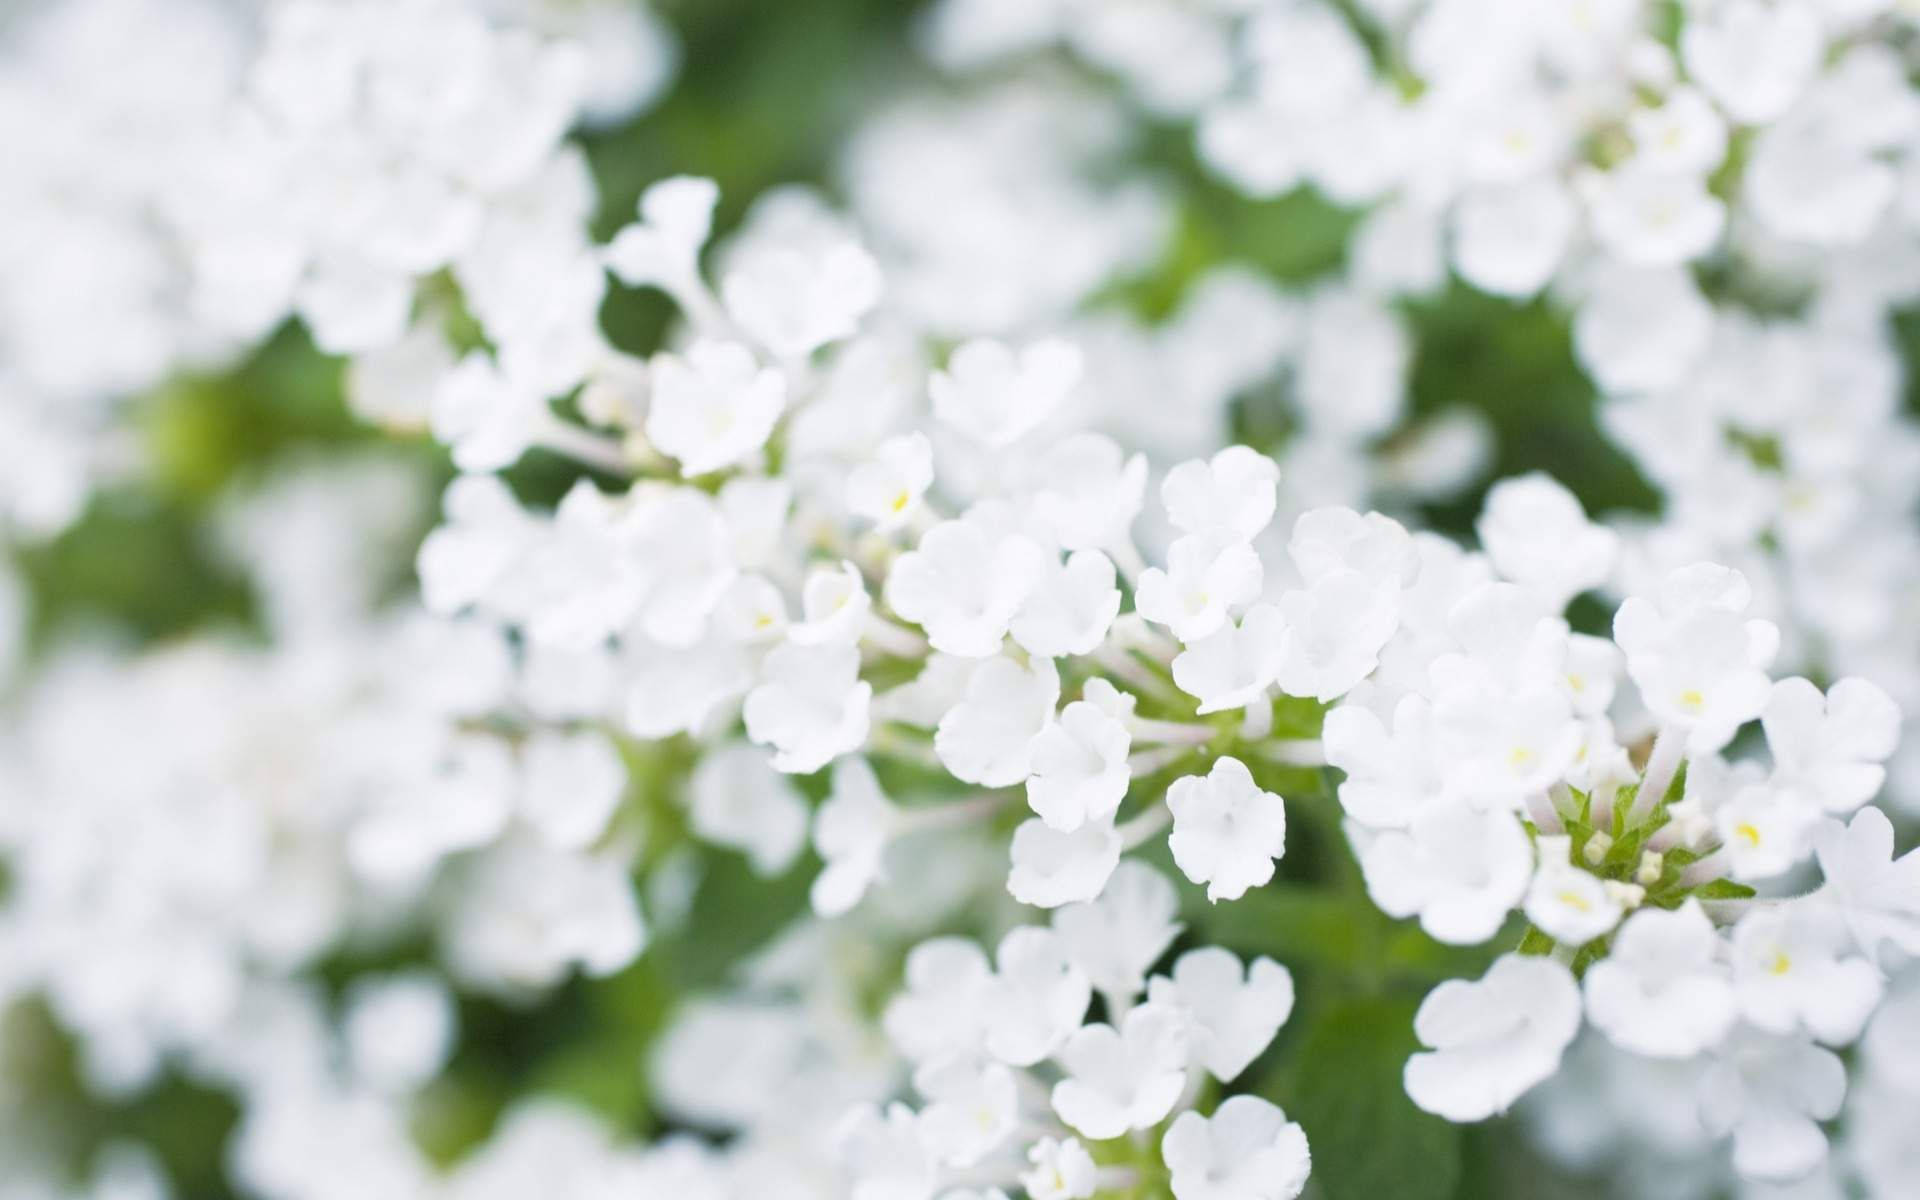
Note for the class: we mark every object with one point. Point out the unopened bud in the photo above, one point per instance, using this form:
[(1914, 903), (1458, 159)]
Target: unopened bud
[(1596, 848), (1652, 865), (1626, 895)]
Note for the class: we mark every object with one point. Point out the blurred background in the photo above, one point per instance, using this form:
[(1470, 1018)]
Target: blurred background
[(770, 94)]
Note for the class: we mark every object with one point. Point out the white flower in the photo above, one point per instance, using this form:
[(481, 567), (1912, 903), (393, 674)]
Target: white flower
[(398, 1029), (1079, 763), (884, 1154), (570, 784), (833, 607), (850, 833), (1051, 868), (1569, 905), (1327, 541), (1390, 776), (523, 913), (1230, 494), (1086, 491), (461, 800), (1698, 663), (1508, 240), (664, 248), (1233, 1014), (1683, 134), (1061, 1171), (887, 489), (486, 417), (1461, 869), (793, 297), (1500, 747), (680, 538), (1123, 931), (1247, 1150), (810, 705), (680, 690), (752, 610), (1226, 831), (1037, 998), (1492, 1039), (1791, 972), (486, 532), (737, 799), (1641, 329), (1661, 992), (1537, 536), (1236, 664), (989, 737), (1205, 576), (1877, 894), (1830, 748), (1754, 59), (714, 406), (1336, 629), (1649, 217), (1070, 607), (971, 1109), (940, 1011), (996, 395), (1123, 1079), (1769, 1093), (963, 584), (1765, 830)]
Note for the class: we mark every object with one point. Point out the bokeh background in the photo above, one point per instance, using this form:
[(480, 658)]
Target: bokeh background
[(767, 93)]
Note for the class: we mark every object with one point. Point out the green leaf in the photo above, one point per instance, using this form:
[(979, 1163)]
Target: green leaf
[(1368, 1140), (1723, 889), (1535, 942)]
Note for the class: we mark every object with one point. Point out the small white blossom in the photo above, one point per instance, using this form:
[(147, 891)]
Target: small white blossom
[(1117, 936), (1206, 575), (1062, 1170), (738, 799), (1569, 905), (1233, 1014), (850, 833), (1038, 997), (1227, 832), (1236, 664), (833, 606), (1830, 747), (1492, 1039), (963, 584), (990, 736), (713, 407), (1079, 762), (1231, 494), (1460, 869), (888, 488), (1769, 1093), (810, 705), (1247, 1150), (1661, 991), (1791, 971), (1877, 894), (1070, 608), (1122, 1079), (996, 394), (971, 1109), (1051, 868)]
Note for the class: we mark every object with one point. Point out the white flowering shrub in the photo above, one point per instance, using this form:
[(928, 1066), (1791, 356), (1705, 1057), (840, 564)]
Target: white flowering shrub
[(1233, 600)]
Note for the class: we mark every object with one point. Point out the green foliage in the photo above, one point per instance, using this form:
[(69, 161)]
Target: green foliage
[(1368, 1140)]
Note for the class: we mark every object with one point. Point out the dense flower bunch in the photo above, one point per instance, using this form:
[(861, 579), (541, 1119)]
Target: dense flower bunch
[(911, 563)]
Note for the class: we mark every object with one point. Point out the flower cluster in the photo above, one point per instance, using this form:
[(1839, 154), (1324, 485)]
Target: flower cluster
[(964, 595)]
